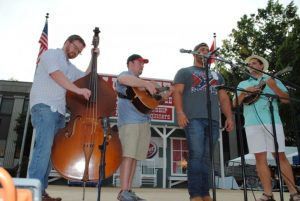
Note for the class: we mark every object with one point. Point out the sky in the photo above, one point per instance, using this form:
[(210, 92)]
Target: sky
[(155, 29)]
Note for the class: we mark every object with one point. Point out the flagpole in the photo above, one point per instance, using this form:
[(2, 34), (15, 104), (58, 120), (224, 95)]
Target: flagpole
[(215, 47), (215, 44), (27, 116)]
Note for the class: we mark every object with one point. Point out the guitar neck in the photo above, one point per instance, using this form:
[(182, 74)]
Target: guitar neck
[(261, 83), (162, 89)]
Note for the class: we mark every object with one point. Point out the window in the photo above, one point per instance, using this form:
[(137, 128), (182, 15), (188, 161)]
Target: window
[(6, 107), (25, 105), (179, 156)]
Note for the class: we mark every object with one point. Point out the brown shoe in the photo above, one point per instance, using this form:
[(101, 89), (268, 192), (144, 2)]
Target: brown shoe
[(207, 198), (198, 198), (46, 197)]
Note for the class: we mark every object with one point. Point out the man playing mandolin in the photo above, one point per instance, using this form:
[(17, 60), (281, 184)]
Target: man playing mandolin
[(133, 124), (258, 125)]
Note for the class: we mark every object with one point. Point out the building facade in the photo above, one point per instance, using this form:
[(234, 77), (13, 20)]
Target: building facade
[(166, 164), (14, 100)]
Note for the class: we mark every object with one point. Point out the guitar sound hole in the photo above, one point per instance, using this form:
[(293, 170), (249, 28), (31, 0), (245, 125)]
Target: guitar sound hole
[(157, 97)]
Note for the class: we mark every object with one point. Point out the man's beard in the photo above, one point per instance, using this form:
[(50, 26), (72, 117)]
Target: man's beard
[(199, 60), (71, 55)]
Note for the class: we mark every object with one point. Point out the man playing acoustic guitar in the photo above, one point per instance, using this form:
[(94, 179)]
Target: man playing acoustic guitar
[(133, 124), (258, 125)]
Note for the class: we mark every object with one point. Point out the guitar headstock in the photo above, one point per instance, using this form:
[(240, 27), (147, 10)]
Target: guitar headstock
[(284, 71)]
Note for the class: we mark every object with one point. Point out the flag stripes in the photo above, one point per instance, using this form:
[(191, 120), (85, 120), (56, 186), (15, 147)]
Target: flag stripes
[(43, 40)]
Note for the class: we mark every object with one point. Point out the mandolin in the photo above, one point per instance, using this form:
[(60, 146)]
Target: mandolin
[(143, 100), (253, 97)]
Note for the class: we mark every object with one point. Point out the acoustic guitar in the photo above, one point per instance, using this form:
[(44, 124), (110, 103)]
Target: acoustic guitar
[(253, 97), (143, 100)]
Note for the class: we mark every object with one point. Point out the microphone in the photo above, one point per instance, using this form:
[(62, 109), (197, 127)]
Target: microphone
[(242, 63), (218, 87), (195, 52), (188, 51), (185, 51), (213, 52)]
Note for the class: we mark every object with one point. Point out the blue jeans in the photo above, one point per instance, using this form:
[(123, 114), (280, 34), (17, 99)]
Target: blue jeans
[(199, 155), (46, 124)]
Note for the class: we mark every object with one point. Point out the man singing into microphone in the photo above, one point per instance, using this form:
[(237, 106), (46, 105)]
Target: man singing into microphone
[(192, 115)]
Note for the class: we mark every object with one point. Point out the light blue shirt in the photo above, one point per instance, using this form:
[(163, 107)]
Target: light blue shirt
[(127, 113), (259, 112)]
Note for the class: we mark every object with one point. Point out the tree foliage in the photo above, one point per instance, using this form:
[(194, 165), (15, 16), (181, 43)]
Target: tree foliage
[(273, 33), (262, 33)]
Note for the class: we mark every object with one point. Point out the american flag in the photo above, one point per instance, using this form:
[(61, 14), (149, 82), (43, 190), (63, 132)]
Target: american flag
[(43, 40)]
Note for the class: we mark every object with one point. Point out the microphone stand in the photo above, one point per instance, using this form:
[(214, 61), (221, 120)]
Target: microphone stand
[(238, 121), (206, 57), (102, 148), (209, 114), (293, 117), (206, 66), (240, 134), (270, 99)]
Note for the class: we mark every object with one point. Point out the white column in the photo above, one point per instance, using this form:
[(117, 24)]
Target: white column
[(165, 136), (221, 159)]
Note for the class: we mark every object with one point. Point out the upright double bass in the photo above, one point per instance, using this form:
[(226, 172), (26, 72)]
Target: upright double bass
[(76, 151)]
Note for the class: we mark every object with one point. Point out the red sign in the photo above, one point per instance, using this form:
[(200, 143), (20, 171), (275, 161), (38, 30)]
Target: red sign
[(163, 114)]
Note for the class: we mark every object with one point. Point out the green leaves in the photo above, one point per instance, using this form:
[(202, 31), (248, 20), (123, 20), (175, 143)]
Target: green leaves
[(273, 33)]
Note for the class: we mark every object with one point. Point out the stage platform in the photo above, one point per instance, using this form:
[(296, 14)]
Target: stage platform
[(71, 193)]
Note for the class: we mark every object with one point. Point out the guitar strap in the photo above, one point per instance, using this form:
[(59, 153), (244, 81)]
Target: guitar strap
[(261, 79), (120, 95)]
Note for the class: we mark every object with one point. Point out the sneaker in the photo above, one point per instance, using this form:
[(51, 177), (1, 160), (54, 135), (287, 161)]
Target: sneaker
[(295, 197), (46, 197), (137, 198), (126, 196), (266, 197)]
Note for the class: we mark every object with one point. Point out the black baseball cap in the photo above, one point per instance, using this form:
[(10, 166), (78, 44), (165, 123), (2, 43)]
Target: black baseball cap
[(137, 57)]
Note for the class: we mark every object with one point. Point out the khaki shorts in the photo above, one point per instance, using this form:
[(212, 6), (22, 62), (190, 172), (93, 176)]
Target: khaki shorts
[(135, 139), (260, 138)]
